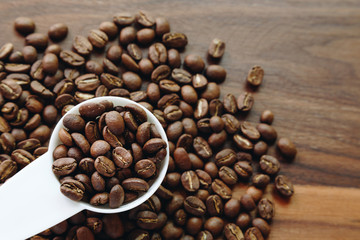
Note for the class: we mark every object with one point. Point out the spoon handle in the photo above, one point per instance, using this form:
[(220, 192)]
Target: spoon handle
[(31, 201)]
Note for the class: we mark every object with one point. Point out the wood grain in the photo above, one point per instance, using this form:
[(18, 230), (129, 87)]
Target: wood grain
[(310, 51)]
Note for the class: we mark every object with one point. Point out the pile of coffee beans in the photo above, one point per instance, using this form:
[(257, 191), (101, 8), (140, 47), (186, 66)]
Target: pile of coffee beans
[(109, 154), (211, 149)]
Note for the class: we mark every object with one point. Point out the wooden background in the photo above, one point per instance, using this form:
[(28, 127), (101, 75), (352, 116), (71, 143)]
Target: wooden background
[(310, 51)]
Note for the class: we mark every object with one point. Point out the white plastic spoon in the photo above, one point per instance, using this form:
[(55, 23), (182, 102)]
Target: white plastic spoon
[(31, 201)]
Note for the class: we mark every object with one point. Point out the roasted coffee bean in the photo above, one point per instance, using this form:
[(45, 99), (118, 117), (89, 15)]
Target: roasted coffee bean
[(10, 89), (180, 217), (91, 110), (113, 226), (255, 76), (86, 165), (158, 53), (216, 48), (112, 139), (114, 53), (262, 225), (16, 57), (267, 132), (170, 231), (30, 54), (71, 58), (132, 81), (245, 101), (231, 123), (39, 89), (194, 206), (168, 86), (122, 157), (97, 182), (230, 103), (202, 108), (22, 157), (29, 144), (172, 113), (145, 168), (7, 169), (185, 141), (6, 50), (211, 169), (204, 235), (267, 117), (220, 188), (203, 125), (98, 38), (143, 133), (19, 134), (227, 175), (190, 181), (266, 209), (75, 152), (260, 148), (105, 166), (7, 142), (160, 73), (140, 97), (94, 224), (214, 225), (127, 35), (134, 51), (233, 232), (109, 28), (135, 184), (87, 82), (21, 78), (181, 76), (194, 63), (212, 91), (243, 143), (146, 66), (110, 81), (182, 159), (286, 147), (145, 36), (260, 180), (42, 133), (24, 25), (243, 220), (110, 67), (243, 169), (58, 31), (215, 73), (115, 122), (214, 205), (84, 233), (144, 19), (147, 220), (284, 186), (204, 178), (82, 45), (168, 99), (253, 233), (172, 179), (255, 193), (269, 164), (100, 199), (53, 48), (74, 122), (116, 196), (202, 148), (17, 67), (72, 189), (247, 202), (21, 119), (199, 81), (99, 148), (232, 208), (92, 132), (60, 151), (9, 110), (37, 40), (85, 180), (194, 225), (174, 40), (123, 19), (64, 166)]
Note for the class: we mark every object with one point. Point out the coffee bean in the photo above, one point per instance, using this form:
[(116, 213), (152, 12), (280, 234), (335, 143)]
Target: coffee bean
[(123, 19), (145, 36), (109, 28), (135, 184), (190, 181), (170, 231), (10, 89), (255, 76), (122, 157), (220, 188), (253, 233), (95, 224), (216, 48), (17, 67), (37, 40), (53, 48), (174, 59), (110, 81), (262, 225), (231, 123), (260, 148), (216, 107), (267, 117), (233, 232), (16, 57), (245, 101), (267, 132), (243, 169), (243, 220), (266, 209), (144, 19), (22, 157), (116, 196), (247, 202), (204, 178), (99, 148), (64, 166), (154, 145), (71, 58), (227, 175), (243, 143), (182, 159), (168, 86), (260, 180), (214, 205), (97, 182), (255, 193), (269, 164), (145, 168), (115, 122), (194, 63), (100, 199), (199, 81), (105, 166), (7, 169), (58, 31), (202, 108), (175, 40), (84, 233), (82, 45), (160, 73), (6, 50), (147, 220), (158, 53), (98, 38), (214, 225), (127, 35), (286, 147), (202, 148), (146, 66), (72, 189), (113, 226), (204, 235), (215, 73), (194, 206), (24, 25), (284, 186), (232, 208), (74, 122)]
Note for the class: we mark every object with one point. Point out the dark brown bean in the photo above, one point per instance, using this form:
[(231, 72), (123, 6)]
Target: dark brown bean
[(216, 48), (190, 181), (37, 40), (284, 186), (145, 168), (267, 117), (220, 188), (175, 40), (214, 205), (266, 209), (72, 189), (269, 164), (255, 76), (286, 147), (24, 25), (194, 206), (135, 184), (64, 166), (116, 196), (245, 101)]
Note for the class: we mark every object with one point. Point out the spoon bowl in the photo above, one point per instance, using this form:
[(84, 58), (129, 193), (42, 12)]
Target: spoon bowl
[(31, 201)]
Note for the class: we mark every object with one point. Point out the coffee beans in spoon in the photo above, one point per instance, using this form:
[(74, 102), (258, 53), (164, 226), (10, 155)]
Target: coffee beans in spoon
[(95, 175)]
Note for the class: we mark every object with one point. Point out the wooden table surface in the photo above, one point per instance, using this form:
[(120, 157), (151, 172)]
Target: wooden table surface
[(310, 51)]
